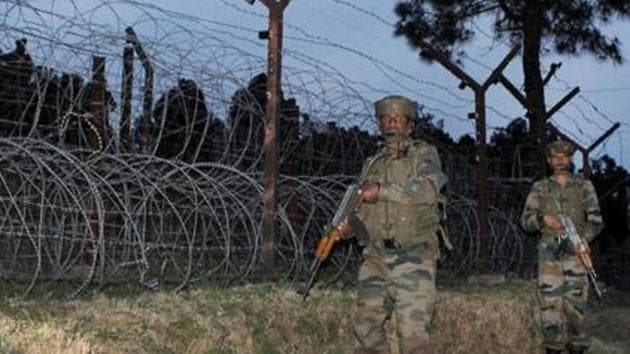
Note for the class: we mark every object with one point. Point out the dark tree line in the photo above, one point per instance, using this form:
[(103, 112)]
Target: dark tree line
[(612, 183), (39, 102), (184, 129)]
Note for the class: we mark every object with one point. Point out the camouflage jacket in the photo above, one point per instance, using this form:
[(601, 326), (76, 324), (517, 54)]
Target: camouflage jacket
[(577, 200), (407, 206)]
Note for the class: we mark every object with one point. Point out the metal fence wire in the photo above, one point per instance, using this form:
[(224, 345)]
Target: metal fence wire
[(154, 178), (91, 220)]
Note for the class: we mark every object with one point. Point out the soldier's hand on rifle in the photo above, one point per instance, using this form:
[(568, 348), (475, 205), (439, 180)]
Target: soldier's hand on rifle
[(553, 222), (583, 248), (369, 192), (344, 229)]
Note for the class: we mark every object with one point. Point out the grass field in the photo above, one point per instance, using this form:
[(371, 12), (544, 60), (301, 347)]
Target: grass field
[(264, 319)]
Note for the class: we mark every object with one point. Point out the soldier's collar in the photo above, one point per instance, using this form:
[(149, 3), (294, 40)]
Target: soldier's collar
[(404, 144), (395, 137), (570, 180)]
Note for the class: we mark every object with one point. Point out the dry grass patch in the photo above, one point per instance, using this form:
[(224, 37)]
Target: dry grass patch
[(33, 337), (487, 319), (256, 319)]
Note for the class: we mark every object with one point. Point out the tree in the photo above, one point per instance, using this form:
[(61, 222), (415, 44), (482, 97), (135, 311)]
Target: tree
[(611, 180), (612, 183), (428, 128), (246, 121), (513, 154), (569, 27), (54, 106), (183, 122), (16, 68)]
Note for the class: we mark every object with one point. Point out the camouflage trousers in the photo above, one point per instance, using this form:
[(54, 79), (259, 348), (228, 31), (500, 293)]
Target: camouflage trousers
[(562, 294), (396, 293)]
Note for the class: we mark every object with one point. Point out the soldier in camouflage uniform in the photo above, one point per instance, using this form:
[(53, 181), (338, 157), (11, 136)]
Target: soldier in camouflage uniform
[(400, 213), (562, 281)]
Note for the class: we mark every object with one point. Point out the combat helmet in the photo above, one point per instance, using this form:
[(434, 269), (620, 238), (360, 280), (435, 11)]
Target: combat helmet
[(559, 147), (396, 104)]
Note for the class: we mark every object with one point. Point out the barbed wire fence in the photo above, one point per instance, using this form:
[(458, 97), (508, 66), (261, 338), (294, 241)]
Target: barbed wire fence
[(182, 203)]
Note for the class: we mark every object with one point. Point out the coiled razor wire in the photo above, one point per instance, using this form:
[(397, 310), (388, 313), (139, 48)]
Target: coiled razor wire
[(186, 207), (76, 220)]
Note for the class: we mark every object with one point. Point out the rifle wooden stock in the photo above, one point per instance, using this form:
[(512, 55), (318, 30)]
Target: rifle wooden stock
[(323, 250), (325, 245), (349, 203)]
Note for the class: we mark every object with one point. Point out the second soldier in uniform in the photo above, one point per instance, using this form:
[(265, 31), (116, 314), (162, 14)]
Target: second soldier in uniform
[(562, 280)]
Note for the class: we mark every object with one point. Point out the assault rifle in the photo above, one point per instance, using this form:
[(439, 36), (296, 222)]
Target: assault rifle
[(350, 202), (570, 241)]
